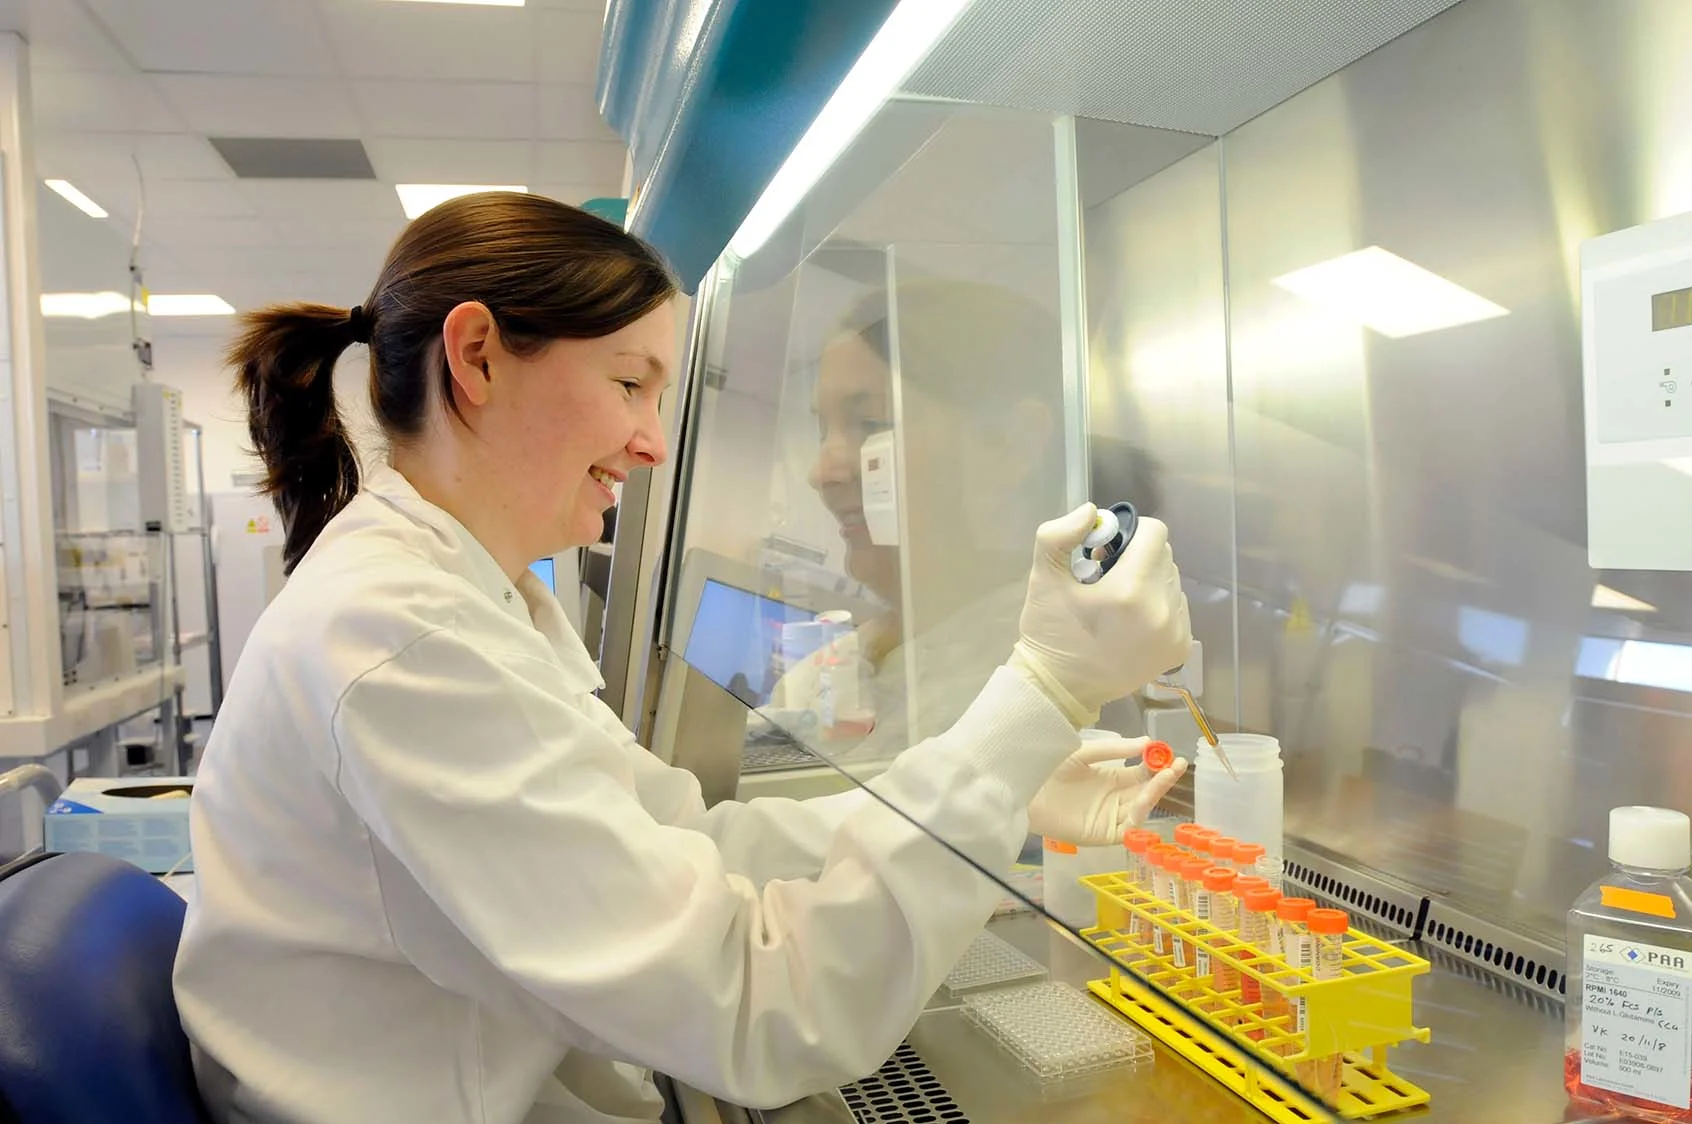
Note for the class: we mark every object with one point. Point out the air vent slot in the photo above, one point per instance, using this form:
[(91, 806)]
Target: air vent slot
[(291, 158)]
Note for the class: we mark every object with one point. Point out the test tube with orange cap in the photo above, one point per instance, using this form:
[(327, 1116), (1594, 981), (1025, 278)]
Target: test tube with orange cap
[(1224, 916), (1164, 878), (1184, 833), (1296, 950), (1245, 858), (1139, 843), (1328, 928), (1222, 850), (1192, 885), (1259, 918)]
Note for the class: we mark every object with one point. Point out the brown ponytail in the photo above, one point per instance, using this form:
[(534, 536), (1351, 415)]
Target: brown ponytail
[(545, 271), (285, 369)]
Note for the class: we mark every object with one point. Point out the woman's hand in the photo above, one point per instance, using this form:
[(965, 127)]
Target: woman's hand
[(1096, 795), (1086, 645)]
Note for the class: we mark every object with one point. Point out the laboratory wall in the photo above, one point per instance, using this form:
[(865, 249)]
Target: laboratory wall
[(1459, 697)]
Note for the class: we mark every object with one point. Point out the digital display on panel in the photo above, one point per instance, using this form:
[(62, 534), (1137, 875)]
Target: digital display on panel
[(1671, 310)]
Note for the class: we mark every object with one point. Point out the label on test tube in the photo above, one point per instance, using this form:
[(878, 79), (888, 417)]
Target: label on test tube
[(1296, 948)]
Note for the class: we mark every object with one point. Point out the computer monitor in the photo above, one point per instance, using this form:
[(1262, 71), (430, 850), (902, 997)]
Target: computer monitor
[(737, 637), (547, 571)]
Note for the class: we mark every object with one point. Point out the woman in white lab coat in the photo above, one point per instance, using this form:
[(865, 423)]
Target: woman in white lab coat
[(437, 879)]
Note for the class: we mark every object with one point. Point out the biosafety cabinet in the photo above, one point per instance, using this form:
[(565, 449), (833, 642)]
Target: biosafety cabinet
[(1304, 280)]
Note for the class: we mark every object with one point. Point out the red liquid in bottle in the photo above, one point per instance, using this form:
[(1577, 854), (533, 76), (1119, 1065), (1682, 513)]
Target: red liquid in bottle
[(1634, 1107)]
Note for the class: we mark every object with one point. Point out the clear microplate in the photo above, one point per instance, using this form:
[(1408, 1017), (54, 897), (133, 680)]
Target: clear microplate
[(990, 961), (1056, 1031)]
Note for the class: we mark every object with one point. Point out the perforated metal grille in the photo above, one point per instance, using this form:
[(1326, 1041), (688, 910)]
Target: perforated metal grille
[(902, 1091), (1200, 66)]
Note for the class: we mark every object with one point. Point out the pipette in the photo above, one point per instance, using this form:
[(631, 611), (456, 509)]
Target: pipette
[(1113, 529)]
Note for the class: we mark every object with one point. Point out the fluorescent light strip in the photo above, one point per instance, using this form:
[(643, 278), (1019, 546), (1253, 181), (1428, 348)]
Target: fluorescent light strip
[(903, 41), (96, 306), (77, 199), (84, 306), (1603, 597), (187, 304), (1380, 290), (416, 198)]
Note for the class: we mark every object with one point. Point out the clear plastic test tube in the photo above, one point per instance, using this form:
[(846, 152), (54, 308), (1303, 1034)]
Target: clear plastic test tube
[(1328, 928), (1139, 843), (1222, 850), (1246, 856), (1224, 917), (1192, 885), (1163, 889), (1297, 951), (1255, 928)]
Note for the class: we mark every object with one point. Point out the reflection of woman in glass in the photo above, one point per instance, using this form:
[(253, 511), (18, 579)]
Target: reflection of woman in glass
[(977, 374)]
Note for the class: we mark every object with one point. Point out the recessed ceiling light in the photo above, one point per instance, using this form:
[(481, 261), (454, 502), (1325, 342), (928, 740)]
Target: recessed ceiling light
[(1603, 597), (904, 40), (188, 304), (77, 199), (1380, 290), (84, 306), (416, 198)]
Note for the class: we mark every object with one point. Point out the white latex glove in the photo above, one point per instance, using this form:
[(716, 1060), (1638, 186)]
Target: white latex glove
[(1095, 796), (1086, 645)]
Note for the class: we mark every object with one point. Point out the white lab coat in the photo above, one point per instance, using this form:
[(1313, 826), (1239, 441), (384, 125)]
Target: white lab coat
[(438, 880)]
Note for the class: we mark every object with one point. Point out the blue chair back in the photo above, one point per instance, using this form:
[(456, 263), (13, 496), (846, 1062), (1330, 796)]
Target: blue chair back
[(88, 1024)]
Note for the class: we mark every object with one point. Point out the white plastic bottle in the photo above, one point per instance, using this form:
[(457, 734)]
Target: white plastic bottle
[(1247, 808), (1628, 1044)]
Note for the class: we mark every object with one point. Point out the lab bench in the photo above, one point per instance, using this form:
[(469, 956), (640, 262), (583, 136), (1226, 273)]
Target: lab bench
[(1495, 1055)]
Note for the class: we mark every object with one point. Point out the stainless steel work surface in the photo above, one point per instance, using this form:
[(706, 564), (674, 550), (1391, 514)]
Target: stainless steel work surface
[(1495, 1056)]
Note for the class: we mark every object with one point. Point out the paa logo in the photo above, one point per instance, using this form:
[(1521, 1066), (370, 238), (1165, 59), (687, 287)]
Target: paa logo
[(1632, 954)]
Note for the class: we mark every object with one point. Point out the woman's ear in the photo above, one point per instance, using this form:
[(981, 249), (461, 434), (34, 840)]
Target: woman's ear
[(469, 336)]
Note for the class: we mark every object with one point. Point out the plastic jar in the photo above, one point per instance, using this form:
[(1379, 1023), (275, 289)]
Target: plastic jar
[(1247, 808), (1066, 899)]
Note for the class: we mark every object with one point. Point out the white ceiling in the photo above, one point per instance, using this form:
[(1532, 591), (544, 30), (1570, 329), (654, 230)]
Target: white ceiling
[(438, 93)]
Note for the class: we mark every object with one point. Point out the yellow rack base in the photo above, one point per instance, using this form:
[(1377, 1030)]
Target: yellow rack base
[(1369, 1090), (1253, 1021)]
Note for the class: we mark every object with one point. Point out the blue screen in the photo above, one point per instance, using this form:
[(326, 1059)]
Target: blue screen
[(546, 571), (735, 639)]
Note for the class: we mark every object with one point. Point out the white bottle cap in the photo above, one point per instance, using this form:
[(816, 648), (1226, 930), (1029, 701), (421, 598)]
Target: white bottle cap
[(1654, 838)]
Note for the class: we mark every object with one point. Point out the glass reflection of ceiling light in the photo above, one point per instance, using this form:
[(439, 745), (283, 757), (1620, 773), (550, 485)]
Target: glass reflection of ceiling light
[(1639, 663), (1680, 464), (903, 41), (188, 304), (1603, 597), (1444, 570), (416, 198), (482, 3), (84, 306), (77, 199), (1381, 290)]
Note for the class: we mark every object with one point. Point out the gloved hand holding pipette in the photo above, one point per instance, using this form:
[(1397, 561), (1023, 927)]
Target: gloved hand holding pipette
[(1088, 644), (1101, 791)]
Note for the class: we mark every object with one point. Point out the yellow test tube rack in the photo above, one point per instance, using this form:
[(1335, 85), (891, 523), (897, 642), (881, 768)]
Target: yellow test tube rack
[(1359, 1015)]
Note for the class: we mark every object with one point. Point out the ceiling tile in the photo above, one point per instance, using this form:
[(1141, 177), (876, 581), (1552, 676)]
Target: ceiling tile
[(195, 199), (221, 105), (492, 110), (567, 46), (402, 160), (250, 37), (63, 37), (570, 112), (321, 200), (106, 157), (433, 41), (579, 162), (68, 100), (172, 234)]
